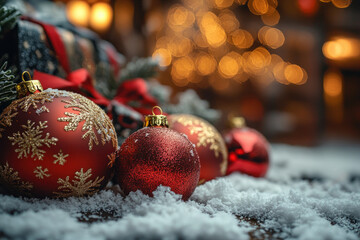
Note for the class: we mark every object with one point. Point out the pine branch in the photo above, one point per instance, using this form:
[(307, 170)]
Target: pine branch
[(140, 68), (8, 19), (7, 85)]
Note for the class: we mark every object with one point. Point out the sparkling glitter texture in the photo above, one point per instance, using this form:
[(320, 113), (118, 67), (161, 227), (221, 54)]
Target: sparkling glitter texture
[(66, 149), (248, 152), (208, 142), (154, 156)]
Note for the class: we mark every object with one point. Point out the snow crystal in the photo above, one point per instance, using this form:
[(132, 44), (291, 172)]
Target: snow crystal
[(136, 140), (192, 152), (284, 205), (147, 134)]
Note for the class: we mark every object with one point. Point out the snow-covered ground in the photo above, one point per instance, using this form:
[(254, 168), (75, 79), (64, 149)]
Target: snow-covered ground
[(309, 193)]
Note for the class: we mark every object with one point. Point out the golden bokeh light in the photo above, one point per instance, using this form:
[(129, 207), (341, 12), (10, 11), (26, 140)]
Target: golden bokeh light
[(257, 60), (180, 18), (78, 12), (341, 48), (179, 46), (271, 37), (164, 55), (229, 21), (228, 66), (183, 67), (101, 15), (194, 5), (205, 64), (341, 3), (271, 18), (242, 39), (278, 71), (293, 73), (212, 30), (332, 83), (223, 3), (258, 7)]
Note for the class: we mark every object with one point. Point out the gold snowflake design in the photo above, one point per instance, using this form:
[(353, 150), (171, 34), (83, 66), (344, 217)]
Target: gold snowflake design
[(10, 178), (207, 135), (41, 173), (6, 117), (33, 100), (80, 186), (31, 140), (60, 158), (95, 120), (112, 158)]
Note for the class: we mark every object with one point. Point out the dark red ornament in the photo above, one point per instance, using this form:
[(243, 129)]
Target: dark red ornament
[(208, 142), (248, 152), (156, 155), (55, 144)]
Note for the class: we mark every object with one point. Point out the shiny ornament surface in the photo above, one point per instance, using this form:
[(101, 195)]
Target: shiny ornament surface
[(248, 152), (55, 144), (154, 156), (208, 142)]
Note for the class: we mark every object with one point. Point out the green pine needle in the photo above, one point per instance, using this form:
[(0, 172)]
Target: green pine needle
[(140, 68), (8, 19), (7, 85)]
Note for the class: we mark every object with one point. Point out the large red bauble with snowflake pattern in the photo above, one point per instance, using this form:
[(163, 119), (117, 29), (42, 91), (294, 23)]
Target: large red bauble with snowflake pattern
[(55, 144), (154, 156), (248, 152), (208, 142)]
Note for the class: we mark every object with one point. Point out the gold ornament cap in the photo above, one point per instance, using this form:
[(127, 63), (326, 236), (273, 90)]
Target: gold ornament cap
[(154, 120), (237, 122), (28, 87)]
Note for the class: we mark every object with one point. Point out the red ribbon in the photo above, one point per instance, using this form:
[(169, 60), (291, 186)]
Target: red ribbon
[(80, 81)]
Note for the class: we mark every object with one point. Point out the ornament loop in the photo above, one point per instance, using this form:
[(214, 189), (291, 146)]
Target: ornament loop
[(22, 76), (154, 120), (157, 107), (27, 87)]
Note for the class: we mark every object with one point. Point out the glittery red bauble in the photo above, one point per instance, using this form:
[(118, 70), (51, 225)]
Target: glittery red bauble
[(248, 152), (55, 144), (208, 142), (154, 156)]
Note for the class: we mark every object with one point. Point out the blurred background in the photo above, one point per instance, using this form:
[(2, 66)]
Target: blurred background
[(291, 68)]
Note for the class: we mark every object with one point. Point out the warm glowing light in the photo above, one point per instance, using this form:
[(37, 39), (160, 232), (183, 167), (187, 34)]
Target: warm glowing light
[(180, 18), (180, 46), (183, 67), (214, 33), (205, 64), (258, 59), (332, 83), (271, 18), (278, 72), (341, 48), (341, 3), (228, 66), (242, 39), (78, 12), (101, 15), (229, 21), (164, 55), (223, 3), (293, 73), (271, 37), (193, 4), (258, 7), (241, 2)]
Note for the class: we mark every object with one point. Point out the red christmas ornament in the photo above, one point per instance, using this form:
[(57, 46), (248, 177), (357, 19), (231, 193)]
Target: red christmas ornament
[(208, 141), (156, 155), (248, 150), (55, 144)]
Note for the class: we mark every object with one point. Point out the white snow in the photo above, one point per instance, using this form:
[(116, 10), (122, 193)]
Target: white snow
[(283, 205)]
